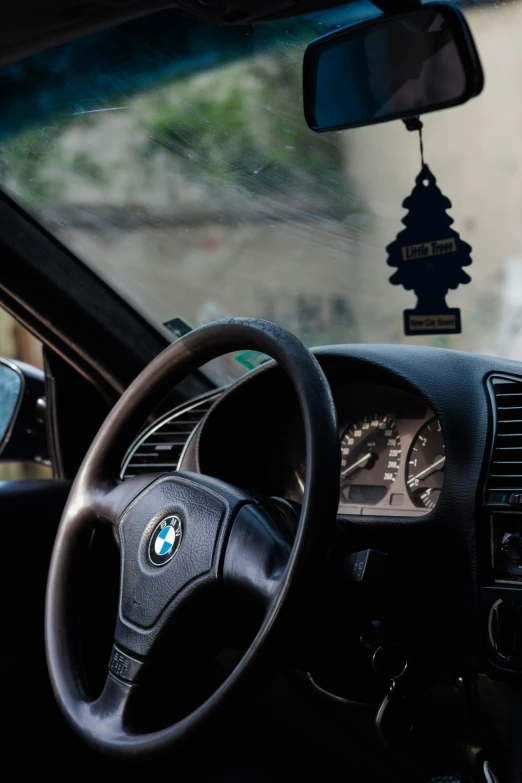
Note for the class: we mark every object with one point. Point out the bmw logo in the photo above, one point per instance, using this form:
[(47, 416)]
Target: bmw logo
[(165, 540)]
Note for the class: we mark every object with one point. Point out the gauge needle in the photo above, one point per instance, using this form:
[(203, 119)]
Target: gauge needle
[(299, 481), (437, 465), (358, 464)]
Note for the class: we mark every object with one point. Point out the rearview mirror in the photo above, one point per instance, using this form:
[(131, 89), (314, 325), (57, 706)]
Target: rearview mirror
[(390, 67)]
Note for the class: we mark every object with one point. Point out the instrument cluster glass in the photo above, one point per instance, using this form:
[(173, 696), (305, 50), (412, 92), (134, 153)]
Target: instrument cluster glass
[(371, 459), (425, 467), (392, 453), (392, 462)]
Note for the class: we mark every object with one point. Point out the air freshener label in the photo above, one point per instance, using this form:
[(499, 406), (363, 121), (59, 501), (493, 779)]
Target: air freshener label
[(429, 256)]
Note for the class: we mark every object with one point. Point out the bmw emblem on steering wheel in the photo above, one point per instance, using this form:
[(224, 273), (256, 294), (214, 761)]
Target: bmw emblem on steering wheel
[(165, 540)]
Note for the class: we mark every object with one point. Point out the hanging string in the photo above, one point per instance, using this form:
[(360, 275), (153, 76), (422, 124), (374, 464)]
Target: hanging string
[(414, 124)]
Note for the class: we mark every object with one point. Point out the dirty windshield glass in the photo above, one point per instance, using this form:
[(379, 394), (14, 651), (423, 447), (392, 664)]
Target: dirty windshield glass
[(172, 157)]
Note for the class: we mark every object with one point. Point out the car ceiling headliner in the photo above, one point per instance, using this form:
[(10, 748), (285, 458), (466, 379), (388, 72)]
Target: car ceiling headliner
[(29, 26)]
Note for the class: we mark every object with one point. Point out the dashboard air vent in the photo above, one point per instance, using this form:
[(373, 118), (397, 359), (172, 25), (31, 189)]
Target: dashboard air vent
[(159, 448), (504, 484)]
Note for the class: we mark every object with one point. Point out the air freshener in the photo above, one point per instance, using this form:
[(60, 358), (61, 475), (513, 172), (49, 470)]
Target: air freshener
[(429, 257)]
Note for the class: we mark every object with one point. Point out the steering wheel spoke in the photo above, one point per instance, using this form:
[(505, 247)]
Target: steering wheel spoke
[(106, 501), (112, 706), (258, 551)]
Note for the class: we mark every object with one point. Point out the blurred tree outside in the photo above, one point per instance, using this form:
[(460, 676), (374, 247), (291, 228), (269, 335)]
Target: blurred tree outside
[(204, 134), (242, 126), (233, 130)]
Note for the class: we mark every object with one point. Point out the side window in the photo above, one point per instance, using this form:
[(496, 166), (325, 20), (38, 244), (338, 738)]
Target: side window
[(19, 344)]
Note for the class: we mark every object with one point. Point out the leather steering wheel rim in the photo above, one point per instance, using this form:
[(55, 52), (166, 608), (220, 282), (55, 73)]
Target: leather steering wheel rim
[(96, 498)]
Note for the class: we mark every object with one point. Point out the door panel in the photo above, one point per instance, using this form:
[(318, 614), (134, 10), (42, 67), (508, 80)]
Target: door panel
[(29, 512)]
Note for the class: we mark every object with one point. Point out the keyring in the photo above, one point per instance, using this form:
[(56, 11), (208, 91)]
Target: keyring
[(390, 661)]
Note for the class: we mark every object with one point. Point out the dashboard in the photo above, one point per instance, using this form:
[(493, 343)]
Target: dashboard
[(430, 474), (393, 452), (391, 442)]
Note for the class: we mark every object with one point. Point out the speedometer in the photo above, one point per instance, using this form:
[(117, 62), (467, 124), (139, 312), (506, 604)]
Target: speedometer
[(371, 458)]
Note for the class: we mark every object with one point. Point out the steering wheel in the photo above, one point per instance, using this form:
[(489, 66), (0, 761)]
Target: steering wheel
[(184, 536)]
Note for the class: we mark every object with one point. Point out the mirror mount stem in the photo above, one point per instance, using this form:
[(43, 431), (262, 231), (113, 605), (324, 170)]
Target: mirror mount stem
[(413, 123)]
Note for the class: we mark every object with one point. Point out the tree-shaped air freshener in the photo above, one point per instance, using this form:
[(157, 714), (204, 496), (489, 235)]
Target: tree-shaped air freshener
[(429, 256)]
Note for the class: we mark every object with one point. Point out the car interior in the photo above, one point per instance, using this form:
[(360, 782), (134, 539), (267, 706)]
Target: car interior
[(263, 517)]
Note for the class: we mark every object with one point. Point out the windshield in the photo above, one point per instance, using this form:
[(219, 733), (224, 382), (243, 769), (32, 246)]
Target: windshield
[(172, 156)]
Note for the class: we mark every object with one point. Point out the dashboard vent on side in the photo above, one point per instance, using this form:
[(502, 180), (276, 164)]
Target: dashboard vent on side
[(160, 447), (504, 484)]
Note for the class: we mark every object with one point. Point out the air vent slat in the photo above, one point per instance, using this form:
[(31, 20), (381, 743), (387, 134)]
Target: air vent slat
[(503, 387), (514, 490), (507, 455), (161, 445), (173, 441), (508, 415), (505, 472), (167, 465), (177, 433)]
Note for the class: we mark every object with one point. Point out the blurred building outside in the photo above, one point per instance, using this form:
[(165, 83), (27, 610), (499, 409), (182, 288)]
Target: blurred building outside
[(171, 229)]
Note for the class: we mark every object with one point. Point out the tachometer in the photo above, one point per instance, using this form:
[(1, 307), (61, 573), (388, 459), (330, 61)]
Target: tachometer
[(425, 466), (371, 458)]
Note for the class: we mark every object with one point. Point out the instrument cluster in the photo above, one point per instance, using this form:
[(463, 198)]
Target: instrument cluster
[(393, 453)]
